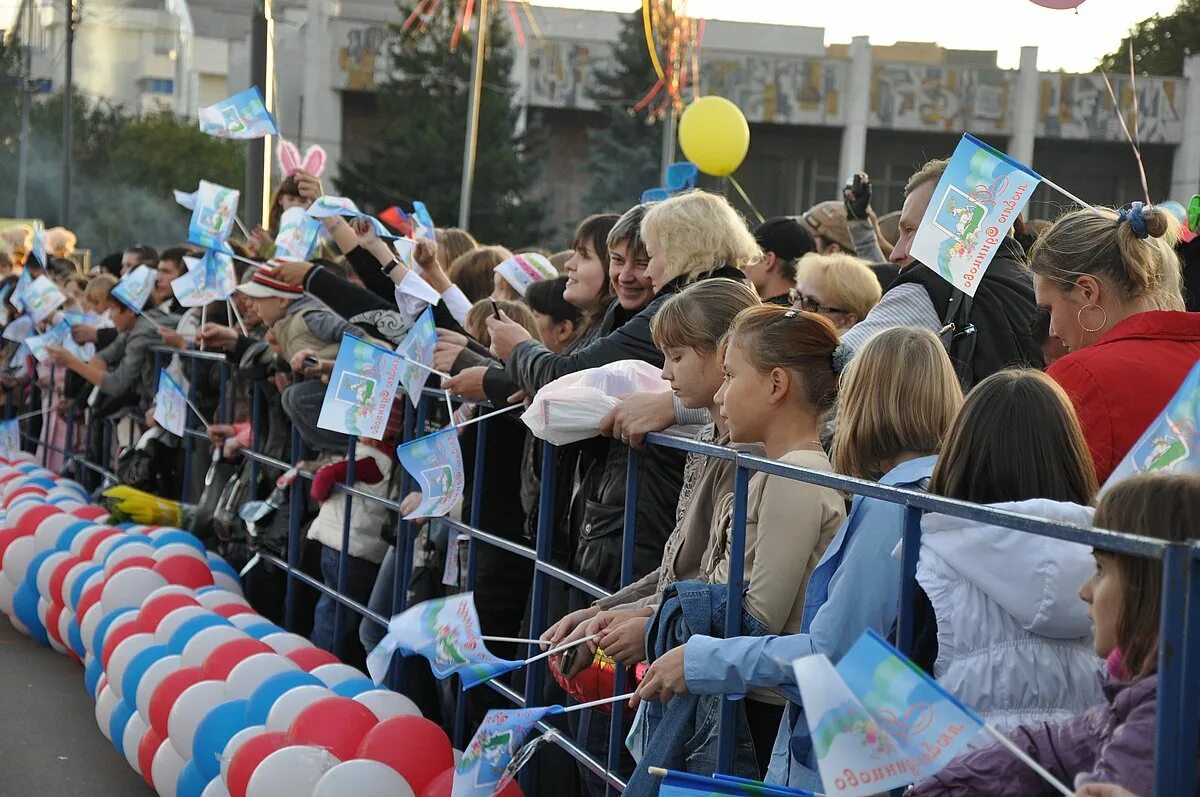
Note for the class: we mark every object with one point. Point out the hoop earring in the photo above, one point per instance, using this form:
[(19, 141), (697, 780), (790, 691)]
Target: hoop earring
[(1085, 328)]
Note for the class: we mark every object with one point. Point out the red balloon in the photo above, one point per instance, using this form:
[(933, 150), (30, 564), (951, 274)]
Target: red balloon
[(228, 655), (187, 571), (33, 518), (413, 746), (59, 576), (336, 723), (52, 615), (228, 610), (1058, 5), (443, 784), (247, 758), (89, 548), (154, 610), (133, 561), (308, 659), (114, 637), (145, 753), (89, 512), (89, 598), (29, 489), (167, 692), (9, 536)]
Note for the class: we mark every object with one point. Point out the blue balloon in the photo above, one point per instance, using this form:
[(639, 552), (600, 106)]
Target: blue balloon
[(91, 676), (43, 482), (75, 637), (34, 565), (354, 687), (214, 732), (126, 526), (68, 534), (25, 603), (178, 535), (260, 630), (116, 725), (28, 467), (118, 542), (138, 665), (77, 587), (215, 562), (102, 629), (189, 628), (264, 697), (191, 782)]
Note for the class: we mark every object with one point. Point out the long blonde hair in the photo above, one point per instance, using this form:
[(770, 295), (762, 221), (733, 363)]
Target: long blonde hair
[(898, 394), (699, 316), (697, 233)]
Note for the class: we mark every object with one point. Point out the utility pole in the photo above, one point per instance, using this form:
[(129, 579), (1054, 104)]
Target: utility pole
[(23, 140), (667, 157), (64, 213), (468, 175), (256, 200)]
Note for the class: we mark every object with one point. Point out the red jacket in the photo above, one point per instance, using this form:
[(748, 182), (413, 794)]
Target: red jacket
[(1123, 381)]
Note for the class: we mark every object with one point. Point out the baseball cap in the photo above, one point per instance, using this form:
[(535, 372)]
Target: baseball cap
[(828, 220), (786, 236), (263, 285)]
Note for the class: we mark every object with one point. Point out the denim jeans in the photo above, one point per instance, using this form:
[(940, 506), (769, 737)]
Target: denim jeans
[(370, 633), (360, 577), (302, 404)]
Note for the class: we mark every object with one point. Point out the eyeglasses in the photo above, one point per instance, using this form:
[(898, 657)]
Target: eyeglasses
[(811, 305)]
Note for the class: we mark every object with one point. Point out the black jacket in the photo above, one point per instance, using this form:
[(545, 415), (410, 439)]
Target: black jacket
[(1001, 311)]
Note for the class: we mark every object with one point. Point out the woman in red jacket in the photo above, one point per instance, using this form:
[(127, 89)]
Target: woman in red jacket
[(1111, 283)]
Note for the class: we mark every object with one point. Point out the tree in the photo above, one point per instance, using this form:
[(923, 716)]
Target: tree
[(1160, 43), (418, 152), (625, 149)]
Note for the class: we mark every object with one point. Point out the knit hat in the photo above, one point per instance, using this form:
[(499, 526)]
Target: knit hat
[(521, 271), (264, 285), (828, 220), (786, 236)]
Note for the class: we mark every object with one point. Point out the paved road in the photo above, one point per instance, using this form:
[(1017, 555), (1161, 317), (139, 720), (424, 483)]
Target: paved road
[(49, 742)]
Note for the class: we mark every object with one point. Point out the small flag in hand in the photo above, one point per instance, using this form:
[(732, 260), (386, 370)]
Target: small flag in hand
[(361, 389), (243, 115), (170, 404), (1171, 444), (436, 462)]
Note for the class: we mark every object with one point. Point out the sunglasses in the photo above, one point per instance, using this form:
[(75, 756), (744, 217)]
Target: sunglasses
[(811, 305)]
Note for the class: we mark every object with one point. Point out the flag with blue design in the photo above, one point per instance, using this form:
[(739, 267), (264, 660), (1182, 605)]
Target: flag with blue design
[(435, 461), (493, 746), (417, 351), (213, 216), (20, 329), (170, 404), (446, 632), (17, 299), (361, 389), (42, 298), (877, 721), (10, 435), (243, 115), (1171, 444), (422, 223), (208, 279), (328, 206), (686, 784), (973, 207), (73, 318), (297, 235), (56, 335), (134, 288), (184, 199), (38, 251)]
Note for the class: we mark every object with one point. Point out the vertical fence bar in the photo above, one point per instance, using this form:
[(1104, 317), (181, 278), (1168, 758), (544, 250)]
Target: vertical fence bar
[(46, 416), (399, 571), (733, 603), (633, 484), (343, 569), (295, 509), (188, 442), (256, 434), (909, 553), (535, 673), (1189, 731), (481, 430), (1171, 683)]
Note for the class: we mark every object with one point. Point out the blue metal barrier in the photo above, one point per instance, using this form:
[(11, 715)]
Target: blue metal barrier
[(1178, 730)]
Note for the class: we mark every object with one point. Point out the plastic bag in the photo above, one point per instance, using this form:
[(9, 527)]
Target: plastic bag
[(570, 408)]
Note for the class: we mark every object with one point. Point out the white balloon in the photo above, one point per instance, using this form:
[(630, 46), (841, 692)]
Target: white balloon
[(89, 641), (284, 642), (192, 706), (291, 703), (220, 597), (177, 549), (87, 626), (215, 788), (227, 583), (65, 620), (247, 619), (231, 747), (333, 674), (175, 618), (81, 539), (153, 676), (17, 556), (42, 607), (118, 662), (206, 641), (127, 551), (7, 590), (290, 771), (165, 769), (48, 530), (129, 588), (92, 580), (107, 546), (362, 778), (248, 674), (106, 704), (385, 704), (46, 570), (170, 589), (69, 580), (135, 729)]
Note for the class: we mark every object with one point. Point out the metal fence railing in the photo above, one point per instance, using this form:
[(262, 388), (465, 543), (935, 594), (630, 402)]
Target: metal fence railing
[(1178, 719)]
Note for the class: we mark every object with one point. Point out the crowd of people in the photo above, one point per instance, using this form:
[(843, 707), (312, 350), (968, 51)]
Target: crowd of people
[(814, 340)]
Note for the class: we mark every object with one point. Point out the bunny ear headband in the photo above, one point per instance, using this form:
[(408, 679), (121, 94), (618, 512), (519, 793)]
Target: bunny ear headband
[(290, 161)]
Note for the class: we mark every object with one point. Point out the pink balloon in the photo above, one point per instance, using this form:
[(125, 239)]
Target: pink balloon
[(1058, 5)]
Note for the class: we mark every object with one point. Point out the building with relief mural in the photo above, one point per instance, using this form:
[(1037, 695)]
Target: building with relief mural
[(817, 113)]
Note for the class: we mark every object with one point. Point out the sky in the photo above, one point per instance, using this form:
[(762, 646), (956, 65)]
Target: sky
[(1066, 40)]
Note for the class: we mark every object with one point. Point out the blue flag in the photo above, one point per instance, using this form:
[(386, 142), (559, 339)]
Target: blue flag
[(170, 404), (185, 199), (297, 235), (213, 216), (435, 461), (134, 288), (446, 632), (10, 435), (19, 329), (417, 351), (327, 206), (243, 115), (686, 784), (972, 209), (1172, 443), (17, 299), (38, 250), (497, 739), (423, 223), (361, 389), (42, 297), (877, 721)]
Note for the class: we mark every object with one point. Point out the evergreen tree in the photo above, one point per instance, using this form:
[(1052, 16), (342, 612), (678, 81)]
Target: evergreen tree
[(625, 149), (1160, 43), (418, 152)]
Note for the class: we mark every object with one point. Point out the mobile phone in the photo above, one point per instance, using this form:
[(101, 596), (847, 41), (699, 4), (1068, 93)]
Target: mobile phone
[(568, 659), (310, 362), (495, 309)]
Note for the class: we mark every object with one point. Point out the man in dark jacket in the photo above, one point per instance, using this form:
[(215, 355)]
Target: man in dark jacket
[(783, 240), (991, 331)]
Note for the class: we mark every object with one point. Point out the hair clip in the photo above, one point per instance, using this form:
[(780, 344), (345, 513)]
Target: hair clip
[(791, 313), (1136, 216), (839, 358)]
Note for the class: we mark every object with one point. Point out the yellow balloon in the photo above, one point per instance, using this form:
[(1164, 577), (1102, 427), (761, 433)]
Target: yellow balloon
[(714, 135)]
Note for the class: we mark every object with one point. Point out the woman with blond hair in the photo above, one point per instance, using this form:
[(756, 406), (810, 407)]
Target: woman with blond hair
[(840, 287)]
